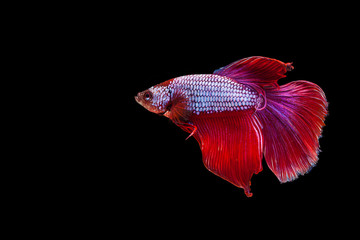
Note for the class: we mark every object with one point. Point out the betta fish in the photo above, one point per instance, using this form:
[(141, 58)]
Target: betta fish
[(239, 114)]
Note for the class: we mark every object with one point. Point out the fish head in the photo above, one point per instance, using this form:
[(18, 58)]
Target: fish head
[(155, 99)]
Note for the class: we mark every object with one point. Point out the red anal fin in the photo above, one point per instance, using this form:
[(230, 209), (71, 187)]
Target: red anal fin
[(231, 145), (258, 70)]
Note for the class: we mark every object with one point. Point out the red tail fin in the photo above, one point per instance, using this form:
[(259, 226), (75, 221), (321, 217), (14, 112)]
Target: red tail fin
[(292, 123), (292, 115)]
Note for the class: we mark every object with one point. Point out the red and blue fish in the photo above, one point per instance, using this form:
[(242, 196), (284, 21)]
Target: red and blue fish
[(239, 114)]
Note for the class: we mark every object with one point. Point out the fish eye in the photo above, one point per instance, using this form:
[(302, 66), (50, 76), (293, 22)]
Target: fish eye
[(147, 95)]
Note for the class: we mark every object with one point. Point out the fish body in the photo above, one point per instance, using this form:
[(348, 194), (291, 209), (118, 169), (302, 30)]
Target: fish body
[(210, 93), (203, 94), (239, 114)]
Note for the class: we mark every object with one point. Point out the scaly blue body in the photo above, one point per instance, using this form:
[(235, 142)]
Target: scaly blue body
[(210, 93)]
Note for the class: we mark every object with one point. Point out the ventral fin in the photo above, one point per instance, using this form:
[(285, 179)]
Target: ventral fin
[(256, 70), (187, 127), (231, 145)]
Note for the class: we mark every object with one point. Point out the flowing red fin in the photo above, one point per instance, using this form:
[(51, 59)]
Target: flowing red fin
[(293, 121), (256, 70), (231, 145)]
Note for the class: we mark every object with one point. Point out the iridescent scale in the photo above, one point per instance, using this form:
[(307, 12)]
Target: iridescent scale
[(209, 93)]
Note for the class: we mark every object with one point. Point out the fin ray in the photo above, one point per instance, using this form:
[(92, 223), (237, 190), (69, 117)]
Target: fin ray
[(231, 145), (293, 121), (256, 70), (178, 111)]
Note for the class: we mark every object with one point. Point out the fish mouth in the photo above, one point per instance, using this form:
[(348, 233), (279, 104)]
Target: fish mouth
[(162, 113), (137, 99)]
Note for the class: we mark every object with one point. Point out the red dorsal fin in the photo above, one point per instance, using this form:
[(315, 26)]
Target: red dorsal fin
[(258, 70), (231, 145)]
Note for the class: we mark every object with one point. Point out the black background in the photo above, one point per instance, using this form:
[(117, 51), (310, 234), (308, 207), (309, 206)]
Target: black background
[(148, 161), (117, 162), (160, 173), (168, 171), (171, 166)]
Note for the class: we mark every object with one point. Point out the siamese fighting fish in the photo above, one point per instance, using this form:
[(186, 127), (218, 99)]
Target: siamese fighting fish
[(240, 114)]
